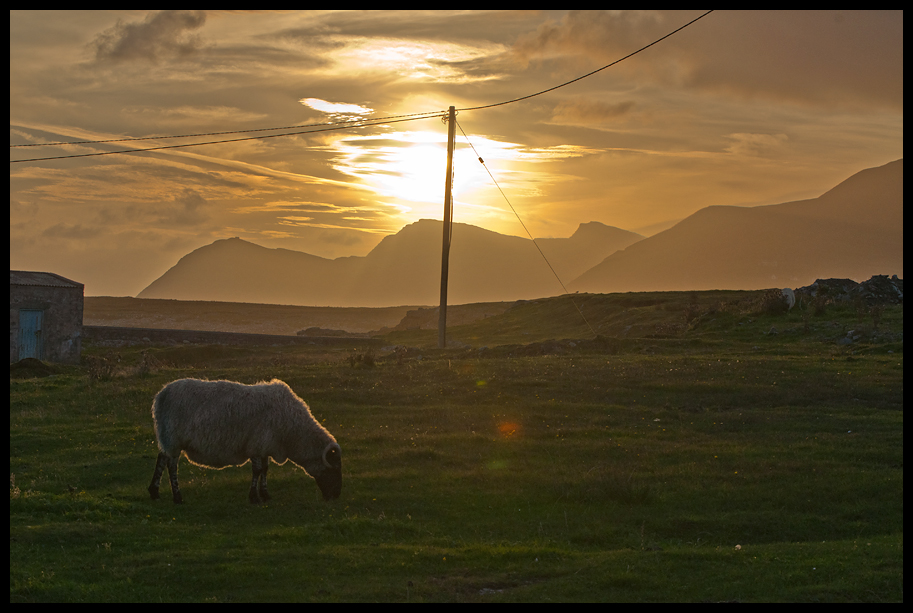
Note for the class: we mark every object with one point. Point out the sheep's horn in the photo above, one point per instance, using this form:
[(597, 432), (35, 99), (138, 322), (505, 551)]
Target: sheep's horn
[(332, 451)]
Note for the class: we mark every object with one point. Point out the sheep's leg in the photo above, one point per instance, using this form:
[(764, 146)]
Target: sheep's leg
[(160, 464), (264, 495), (173, 477), (256, 470)]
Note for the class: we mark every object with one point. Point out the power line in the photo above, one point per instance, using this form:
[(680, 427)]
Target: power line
[(560, 282), (137, 138), (589, 74), (313, 125), (232, 140)]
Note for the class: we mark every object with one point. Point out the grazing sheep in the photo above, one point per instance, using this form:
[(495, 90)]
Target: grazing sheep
[(790, 297), (223, 423)]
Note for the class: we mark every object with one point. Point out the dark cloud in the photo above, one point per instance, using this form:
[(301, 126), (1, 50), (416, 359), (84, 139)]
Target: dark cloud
[(189, 209), (756, 144), (71, 231), (589, 111), (162, 35), (599, 34), (419, 25), (183, 210)]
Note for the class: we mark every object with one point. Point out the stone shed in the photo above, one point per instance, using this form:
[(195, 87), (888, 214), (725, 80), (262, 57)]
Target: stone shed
[(45, 317)]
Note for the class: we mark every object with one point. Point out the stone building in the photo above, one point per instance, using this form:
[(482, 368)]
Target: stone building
[(45, 317)]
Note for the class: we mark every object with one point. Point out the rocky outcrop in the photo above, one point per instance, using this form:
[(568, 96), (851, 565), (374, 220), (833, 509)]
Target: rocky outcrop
[(879, 289)]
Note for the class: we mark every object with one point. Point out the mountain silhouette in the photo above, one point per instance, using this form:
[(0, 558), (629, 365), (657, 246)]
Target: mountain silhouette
[(855, 230), (403, 269), (235, 270)]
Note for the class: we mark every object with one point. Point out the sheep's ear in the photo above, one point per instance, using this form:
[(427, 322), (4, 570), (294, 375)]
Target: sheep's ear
[(331, 457)]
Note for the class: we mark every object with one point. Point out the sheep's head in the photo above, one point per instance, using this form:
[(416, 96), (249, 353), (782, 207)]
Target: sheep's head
[(329, 480)]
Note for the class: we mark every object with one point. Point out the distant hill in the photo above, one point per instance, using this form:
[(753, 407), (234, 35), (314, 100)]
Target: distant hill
[(854, 231), (235, 270), (246, 317), (404, 268)]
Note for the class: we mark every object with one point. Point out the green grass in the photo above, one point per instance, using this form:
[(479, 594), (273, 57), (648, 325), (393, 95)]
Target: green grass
[(700, 460)]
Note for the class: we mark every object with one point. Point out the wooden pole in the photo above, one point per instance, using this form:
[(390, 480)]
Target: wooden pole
[(448, 220)]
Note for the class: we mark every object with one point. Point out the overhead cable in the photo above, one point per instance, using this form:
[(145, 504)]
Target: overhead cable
[(231, 140), (506, 199), (589, 74), (312, 125)]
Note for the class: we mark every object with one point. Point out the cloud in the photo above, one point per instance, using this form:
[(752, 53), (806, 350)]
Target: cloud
[(188, 209), (599, 34), (756, 144), (309, 221), (338, 111), (365, 217), (76, 231), (589, 111), (817, 58), (415, 60), (161, 35), (191, 115)]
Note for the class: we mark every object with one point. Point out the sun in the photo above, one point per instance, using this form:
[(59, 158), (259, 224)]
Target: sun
[(418, 175), (409, 169), (419, 172), (408, 166)]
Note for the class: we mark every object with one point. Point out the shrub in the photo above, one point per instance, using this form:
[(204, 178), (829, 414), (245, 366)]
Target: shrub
[(362, 360), (771, 302), (102, 368)]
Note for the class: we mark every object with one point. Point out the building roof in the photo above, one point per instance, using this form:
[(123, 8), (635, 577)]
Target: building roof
[(46, 279)]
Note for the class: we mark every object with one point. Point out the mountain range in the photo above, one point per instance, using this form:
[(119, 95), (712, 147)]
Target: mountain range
[(854, 230), (403, 269)]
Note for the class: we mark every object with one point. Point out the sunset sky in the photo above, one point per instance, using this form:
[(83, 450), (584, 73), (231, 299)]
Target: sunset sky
[(740, 108)]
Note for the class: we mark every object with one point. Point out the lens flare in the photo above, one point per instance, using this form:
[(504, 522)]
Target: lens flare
[(508, 429)]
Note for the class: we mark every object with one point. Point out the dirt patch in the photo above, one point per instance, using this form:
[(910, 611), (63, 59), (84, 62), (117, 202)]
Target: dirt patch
[(31, 368)]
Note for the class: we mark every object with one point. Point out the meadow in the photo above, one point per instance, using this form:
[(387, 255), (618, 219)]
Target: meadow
[(702, 448)]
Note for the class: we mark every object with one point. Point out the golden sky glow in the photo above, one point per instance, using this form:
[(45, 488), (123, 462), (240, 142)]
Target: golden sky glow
[(741, 108)]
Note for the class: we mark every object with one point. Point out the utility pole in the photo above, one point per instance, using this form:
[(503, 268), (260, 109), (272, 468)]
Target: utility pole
[(448, 221)]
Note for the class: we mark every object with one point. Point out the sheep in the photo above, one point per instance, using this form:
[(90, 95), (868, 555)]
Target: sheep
[(790, 297), (223, 423)]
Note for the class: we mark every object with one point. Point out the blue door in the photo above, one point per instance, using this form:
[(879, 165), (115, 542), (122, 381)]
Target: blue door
[(30, 334)]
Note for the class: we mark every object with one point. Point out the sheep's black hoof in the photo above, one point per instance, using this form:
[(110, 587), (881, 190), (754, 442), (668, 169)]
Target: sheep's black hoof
[(252, 496), (264, 495), (154, 492), (178, 499)]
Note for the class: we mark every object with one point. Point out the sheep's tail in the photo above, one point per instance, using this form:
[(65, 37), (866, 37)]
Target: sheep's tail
[(159, 408)]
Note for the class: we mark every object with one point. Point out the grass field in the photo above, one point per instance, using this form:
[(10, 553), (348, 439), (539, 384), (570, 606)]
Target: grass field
[(233, 316), (700, 450)]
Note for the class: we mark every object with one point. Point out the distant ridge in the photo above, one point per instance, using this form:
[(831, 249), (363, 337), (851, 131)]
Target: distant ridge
[(404, 268), (854, 230)]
